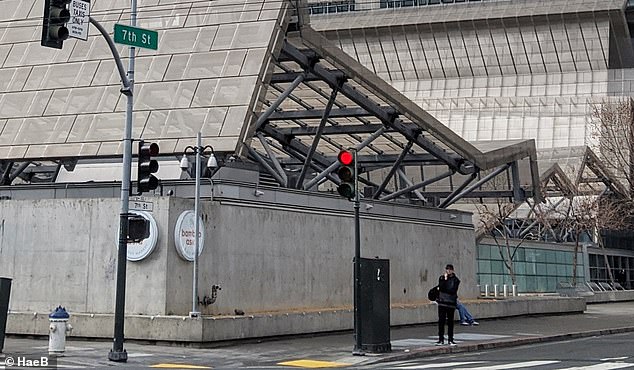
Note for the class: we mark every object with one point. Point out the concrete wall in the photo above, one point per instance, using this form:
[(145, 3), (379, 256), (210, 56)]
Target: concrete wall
[(274, 258), (64, 251), (267, 256)]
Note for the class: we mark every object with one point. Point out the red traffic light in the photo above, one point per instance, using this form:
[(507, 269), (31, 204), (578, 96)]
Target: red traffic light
[(345, 157)]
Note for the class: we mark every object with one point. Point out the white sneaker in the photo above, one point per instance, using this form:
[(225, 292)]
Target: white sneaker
[(475, 323)]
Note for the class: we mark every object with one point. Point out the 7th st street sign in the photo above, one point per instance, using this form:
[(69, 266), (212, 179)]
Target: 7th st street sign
[(134, 36)]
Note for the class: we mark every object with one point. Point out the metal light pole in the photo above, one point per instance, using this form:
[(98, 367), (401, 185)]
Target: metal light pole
[(118, 353), (212, 163), (358, 351), (195, 312)]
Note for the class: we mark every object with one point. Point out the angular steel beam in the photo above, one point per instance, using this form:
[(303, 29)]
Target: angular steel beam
[(300, 157), (480, 182), (395, 166), (264, 117), (266, 166), (330, 130), (19, 171), (318, 113), (320, 129), (287, 77), (413, 188), (458, 190), (474, 194), (296, 145), (273, 159), (518, 194), (380, 160), (410, 183), (335, 164), (419, 185), (6, 173)]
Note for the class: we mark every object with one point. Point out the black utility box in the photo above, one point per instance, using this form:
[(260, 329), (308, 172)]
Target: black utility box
[(5, 292), (374, 305)]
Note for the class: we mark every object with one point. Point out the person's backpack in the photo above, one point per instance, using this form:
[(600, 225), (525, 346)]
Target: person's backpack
[(433, 293)]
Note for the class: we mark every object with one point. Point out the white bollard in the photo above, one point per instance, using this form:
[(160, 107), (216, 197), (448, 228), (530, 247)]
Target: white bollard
[(495, 290), (486, 290), (58, 328), (514, 287), (504, 290)]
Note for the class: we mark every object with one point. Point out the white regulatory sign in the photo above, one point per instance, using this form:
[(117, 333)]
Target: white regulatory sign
[(78, 24)]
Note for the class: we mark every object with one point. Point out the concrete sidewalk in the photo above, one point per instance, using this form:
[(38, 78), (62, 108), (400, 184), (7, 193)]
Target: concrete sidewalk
[(336, 349)]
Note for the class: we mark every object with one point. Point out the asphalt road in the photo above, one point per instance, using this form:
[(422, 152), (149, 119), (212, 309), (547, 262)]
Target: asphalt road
[(593, 353)]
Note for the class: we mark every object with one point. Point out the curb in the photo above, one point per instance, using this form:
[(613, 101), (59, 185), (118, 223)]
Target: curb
[(433, 351)]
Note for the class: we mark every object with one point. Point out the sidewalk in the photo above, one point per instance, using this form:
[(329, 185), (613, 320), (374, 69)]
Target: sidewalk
[(336, 349)]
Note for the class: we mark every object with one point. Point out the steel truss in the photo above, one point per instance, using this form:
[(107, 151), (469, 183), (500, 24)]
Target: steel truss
[(318, 101), (299, 141), (588, 178)]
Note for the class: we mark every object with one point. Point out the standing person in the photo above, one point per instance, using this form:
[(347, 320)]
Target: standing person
[(447, 299)]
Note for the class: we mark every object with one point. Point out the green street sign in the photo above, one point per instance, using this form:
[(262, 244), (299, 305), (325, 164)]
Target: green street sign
[(135, 36)]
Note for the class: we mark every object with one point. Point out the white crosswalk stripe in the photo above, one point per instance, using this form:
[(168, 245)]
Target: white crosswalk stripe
[(515, 365), (603, 366), (440, 365), (487, 365)]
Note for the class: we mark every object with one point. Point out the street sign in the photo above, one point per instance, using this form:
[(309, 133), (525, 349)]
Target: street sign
[(140, 204), (79, 21), (135, 36)]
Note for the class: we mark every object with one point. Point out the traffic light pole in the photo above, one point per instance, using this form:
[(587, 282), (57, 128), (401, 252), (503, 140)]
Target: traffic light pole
[(358, 351), (118, 353)]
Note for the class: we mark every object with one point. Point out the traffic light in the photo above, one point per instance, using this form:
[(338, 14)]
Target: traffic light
[(346, 174), (147, 166), (54, 30)]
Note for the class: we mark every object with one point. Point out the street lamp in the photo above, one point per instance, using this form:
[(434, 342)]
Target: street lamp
[(184, 165)]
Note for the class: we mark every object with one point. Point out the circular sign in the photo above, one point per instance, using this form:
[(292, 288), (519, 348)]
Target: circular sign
[(139, 251), (184, 235)]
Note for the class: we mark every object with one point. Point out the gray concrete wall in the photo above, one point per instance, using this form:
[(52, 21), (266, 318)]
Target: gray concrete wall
[(267, 256), (270, 258), (63, 252)]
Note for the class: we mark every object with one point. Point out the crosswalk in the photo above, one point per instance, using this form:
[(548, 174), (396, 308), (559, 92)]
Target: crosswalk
[(621, 363)]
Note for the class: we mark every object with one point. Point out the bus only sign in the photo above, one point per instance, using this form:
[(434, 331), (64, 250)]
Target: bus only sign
[(134, 36)]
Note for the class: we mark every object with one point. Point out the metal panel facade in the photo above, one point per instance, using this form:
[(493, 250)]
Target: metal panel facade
[(205, 76)]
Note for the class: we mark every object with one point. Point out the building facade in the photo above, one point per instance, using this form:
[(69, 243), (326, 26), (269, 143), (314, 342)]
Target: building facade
[(500, 70), (497, 70)]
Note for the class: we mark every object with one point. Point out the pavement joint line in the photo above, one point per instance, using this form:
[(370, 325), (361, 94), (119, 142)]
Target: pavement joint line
[(515, 342)]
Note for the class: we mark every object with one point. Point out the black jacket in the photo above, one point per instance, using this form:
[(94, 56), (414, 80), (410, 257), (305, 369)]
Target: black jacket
[(448, 291)]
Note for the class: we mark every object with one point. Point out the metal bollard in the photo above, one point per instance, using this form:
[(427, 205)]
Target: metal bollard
[(504, 291), (486, 290), (514, 287), (495, 290), (58, 329)]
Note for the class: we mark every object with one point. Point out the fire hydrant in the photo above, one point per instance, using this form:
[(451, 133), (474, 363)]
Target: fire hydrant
[(58, 329)]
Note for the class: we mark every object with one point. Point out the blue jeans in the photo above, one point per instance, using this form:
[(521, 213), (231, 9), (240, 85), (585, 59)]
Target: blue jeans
[(465, 316)]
